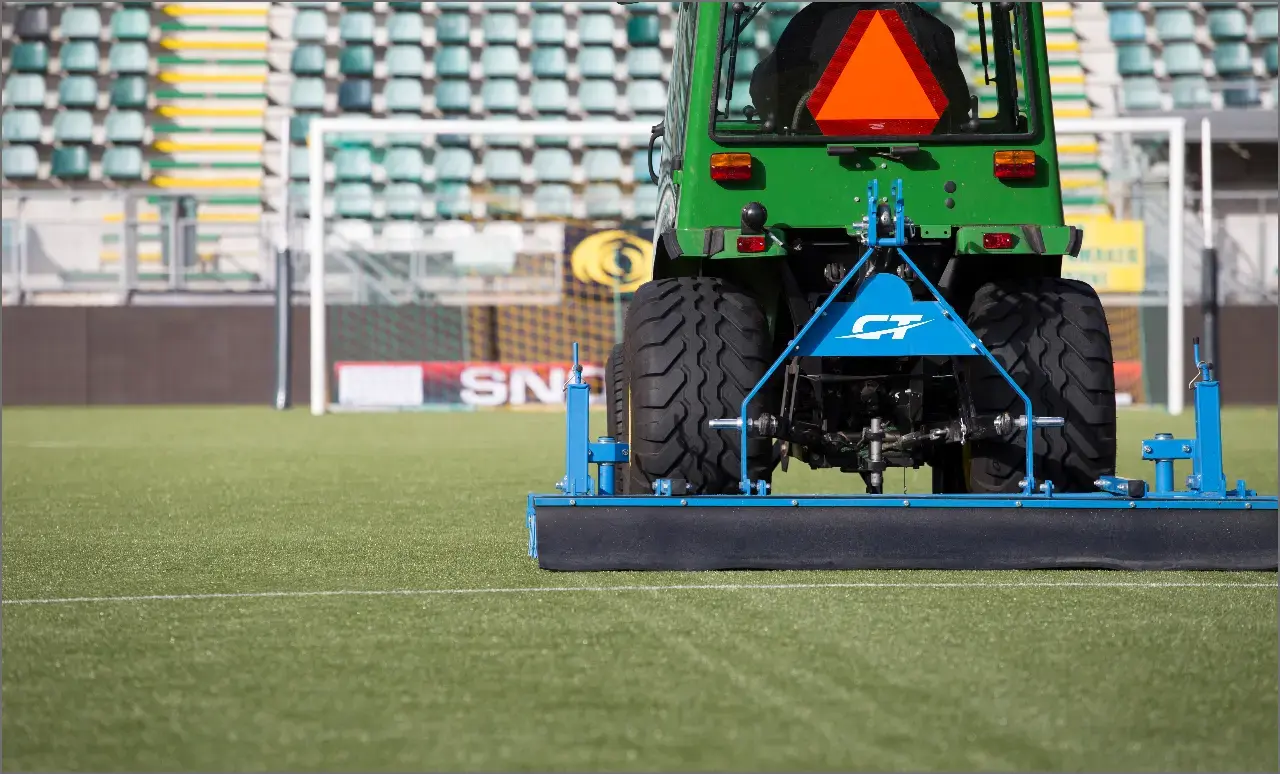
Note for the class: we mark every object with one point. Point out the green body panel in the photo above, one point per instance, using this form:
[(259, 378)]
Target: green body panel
[(1056, 240), (804, 187)]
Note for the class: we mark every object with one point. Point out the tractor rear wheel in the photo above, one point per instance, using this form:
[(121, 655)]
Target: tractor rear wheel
[(615, 394), (694, 348), (1051, 335)]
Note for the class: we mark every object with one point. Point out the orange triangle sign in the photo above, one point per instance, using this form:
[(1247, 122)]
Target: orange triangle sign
[(878, 82)]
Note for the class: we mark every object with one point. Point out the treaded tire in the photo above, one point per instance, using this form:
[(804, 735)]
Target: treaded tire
[(694, 347), (1051, 335), (615, 391)]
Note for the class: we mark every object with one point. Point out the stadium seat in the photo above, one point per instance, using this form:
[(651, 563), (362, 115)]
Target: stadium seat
[(356, 27), (29, 57), (1134, 59), (356, 5), (500, 95), (499, 27), (776, 24), (1232, 58), (453, 96), (81, 22), (1190, 93), (405, 62), (130, 92), (746, 63), (130, 57), (503, 165), (21, 126), (453, 62), (403, 200), (1175, 24), (602, 165), (595, 29), (1141, 93), (549, 29), (20, 162), (299, 162), (1269, 57), (353, 164), (412, 7), (307, 59), (1266, 18), (596, 62), (645, 201), (1127, 26), (355, 95), (552, 165), (603, 201), (549, 62), (300, 199), (79, 56), (1183, 59), (500, 62), (353, 200), (1241, 92), (402, 235), (405, 28), (307, 94), (453, 28), (356, 60), (403, 95), (647, 62), (404, 164), (549, 96), (1227, 24), (78, 91), (126, 127), (598, 96), (310, 24), (299, 127), (453, 200), (131, 24), (554, 200), (643, 30), (70, 162), (649, 96), (32, 22), (454, 164), (25, 90), (122, 163), (640, 163), (73, 127)]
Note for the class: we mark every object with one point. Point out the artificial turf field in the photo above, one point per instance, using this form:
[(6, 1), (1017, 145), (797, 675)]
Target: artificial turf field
[(473, 667)]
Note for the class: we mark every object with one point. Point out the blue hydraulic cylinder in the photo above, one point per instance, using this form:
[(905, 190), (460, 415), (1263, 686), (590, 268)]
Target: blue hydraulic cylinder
[(1206, 461), (1164, 467), (577, 479), (607, 471)]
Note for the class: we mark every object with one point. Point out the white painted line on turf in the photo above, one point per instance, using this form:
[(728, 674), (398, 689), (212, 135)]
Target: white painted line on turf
[(609, 589)]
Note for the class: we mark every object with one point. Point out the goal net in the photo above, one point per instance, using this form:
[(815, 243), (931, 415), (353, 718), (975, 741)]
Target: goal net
[(460, 271)]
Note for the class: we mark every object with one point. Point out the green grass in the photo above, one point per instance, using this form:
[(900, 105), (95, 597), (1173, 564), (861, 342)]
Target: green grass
[(101, 503)]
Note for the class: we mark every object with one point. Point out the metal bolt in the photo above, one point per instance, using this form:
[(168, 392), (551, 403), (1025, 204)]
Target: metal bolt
[(1248, 506), (857, 198), (795, 502), (906, 503), (946, 314), (684, 502), (974, 347), (1133, 505), (884, 165), (1146, 449), (1017, 503), (573, 502), (1186, 448)]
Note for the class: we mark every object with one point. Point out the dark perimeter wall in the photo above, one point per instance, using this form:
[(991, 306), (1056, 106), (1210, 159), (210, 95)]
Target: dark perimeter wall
[(213, 355)]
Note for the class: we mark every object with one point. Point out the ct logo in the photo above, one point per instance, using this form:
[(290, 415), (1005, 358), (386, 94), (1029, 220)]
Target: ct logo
[(902, 324)]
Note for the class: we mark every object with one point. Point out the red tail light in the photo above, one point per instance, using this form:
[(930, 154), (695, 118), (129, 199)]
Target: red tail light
[(730, 166), (1015, 165), (751, 244), (997, 241)]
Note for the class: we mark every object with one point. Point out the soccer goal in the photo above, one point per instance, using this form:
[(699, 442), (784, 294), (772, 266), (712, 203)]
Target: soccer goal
[(452, 263)]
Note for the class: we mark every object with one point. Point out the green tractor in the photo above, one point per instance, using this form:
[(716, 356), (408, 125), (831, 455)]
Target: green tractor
[(765, 168)]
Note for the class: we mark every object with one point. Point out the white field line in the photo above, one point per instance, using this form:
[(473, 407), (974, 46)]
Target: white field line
[(621, 589)]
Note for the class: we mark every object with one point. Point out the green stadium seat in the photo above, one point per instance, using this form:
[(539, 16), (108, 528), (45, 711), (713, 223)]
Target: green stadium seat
[(1127, 26), (499, 27), (640, 163), (503, 165), (73, 127), (411, 7), (310, 25), (453, 28), (1266, 18), (500, 62), (122, 163), (556, 7), (307, 60), (19, 162), (32, 22), (307, 94), (355, 95), (405, 28), (1227, 24), (403, 95), (1134, 59), (595, 30), (299, 128), (603, 200), (1190, 93), (404, 164), (30, 57), (21, 126), (1142, 93), (1183, 59), (643, 30), (78, 91), (553, 200), (353, 200), (25, 90), (645, 200), (500, 95), (405, 62), (356, 27), (129, 92), (130, 57), (646, 8), (746, 63), (353, 164), (549, 96), (1269, 57), (549, 62), (453, 200), (596, 62), (1232, 58), (598, 96), (454, 164), (403, 201), (353, 5), (453, 62), (648, 96), (647, 62), (776, 24), (549, 29), (552, 165), (70, 162), (356, 60), (131, 24), (453, 96), (80, 56), (602, 164), (1241, 92), (81, 22), (299, 162), (1175, 24), (126, 127)]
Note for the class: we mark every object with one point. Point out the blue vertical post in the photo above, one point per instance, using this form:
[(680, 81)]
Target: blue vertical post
[(577, 480), (1164, 468), (1206, 461)]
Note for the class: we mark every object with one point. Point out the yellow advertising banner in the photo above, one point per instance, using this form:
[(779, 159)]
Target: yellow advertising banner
[(1113, 258)]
